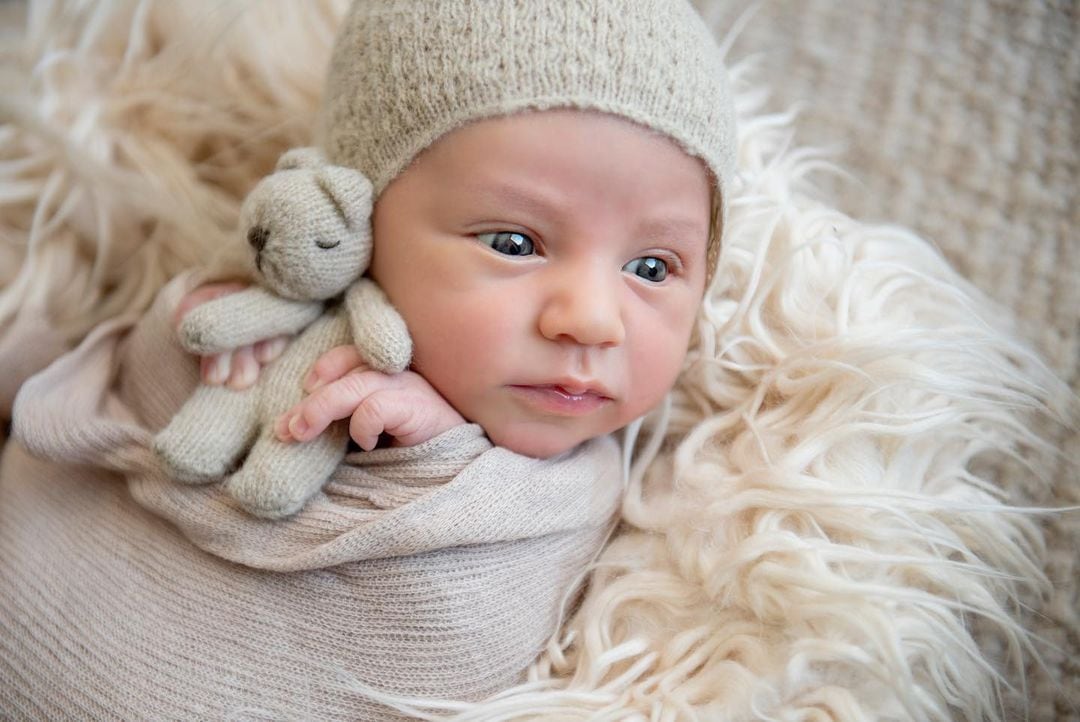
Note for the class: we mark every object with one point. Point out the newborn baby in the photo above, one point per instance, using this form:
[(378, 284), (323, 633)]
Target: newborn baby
[(549, 185), (549, 267)]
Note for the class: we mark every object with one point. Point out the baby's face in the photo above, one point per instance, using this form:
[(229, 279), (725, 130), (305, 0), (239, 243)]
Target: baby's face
[(549, 267)]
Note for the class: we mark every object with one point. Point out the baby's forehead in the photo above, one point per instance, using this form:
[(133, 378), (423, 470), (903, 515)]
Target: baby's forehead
[(555, 126), (550, 151)]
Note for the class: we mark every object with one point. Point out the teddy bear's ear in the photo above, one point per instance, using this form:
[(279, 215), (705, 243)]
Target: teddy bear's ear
[(350, 191), (300, 158)]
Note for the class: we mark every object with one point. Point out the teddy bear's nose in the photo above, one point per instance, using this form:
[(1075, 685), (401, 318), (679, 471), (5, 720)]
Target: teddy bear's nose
[(257, 236)]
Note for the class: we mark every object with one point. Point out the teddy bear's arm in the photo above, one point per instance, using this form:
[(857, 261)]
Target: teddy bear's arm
[(379, 331), (244, 318)]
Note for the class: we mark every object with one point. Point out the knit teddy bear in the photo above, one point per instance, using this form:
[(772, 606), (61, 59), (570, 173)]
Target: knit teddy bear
[(308, 224)]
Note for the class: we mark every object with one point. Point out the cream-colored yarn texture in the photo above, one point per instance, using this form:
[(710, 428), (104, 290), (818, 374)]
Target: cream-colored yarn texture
[(402, 74), (252, 316), (308, 227), (226, 435), (220, 429)]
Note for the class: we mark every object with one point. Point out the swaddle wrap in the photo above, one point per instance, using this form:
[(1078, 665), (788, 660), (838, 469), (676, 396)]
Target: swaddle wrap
[(434, 570)]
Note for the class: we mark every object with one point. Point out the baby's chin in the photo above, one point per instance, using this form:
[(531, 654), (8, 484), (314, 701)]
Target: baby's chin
[(542, 443)]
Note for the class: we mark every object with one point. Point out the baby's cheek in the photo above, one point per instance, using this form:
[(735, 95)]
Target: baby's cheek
[(653, 369), (459, 348)]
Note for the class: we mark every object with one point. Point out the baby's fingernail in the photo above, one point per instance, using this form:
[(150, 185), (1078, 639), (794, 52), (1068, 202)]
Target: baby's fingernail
[(312, 382), (281, 428), (245, 370), (267, 351), (297, 426), (244, 376), (219, 370)]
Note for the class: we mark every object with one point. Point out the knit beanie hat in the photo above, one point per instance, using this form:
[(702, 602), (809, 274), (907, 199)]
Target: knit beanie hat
[(405, 72)]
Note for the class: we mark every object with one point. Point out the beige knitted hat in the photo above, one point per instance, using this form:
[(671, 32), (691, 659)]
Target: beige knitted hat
[(405, 72)]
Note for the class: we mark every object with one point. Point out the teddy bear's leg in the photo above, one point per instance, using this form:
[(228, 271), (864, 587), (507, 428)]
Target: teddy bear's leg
[(277, 478), (209, 435)]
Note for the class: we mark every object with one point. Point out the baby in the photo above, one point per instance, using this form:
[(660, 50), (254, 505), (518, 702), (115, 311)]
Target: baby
[(549, 181), (546, 229), (549, 266)]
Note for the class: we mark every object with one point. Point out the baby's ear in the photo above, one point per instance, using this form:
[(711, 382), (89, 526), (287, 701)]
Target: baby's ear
[(300, 158), (350, 192)]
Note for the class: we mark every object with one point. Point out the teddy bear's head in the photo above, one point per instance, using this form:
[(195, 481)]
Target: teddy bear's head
[(309, 226)]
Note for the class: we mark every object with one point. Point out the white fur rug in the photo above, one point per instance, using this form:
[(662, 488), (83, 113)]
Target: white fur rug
[(819, 528)]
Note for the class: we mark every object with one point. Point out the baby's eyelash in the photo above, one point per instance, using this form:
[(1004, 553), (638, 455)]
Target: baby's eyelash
[(515, 242), (674, 260), (509, 243)]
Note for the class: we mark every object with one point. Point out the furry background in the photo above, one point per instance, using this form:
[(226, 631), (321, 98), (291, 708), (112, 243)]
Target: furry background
[(960, 120)]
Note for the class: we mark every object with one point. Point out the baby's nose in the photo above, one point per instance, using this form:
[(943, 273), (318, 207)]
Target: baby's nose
[(257, 236), (586, 312)]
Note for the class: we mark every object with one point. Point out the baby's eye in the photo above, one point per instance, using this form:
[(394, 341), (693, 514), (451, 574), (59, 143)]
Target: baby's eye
[(508, 243), (648, 267)]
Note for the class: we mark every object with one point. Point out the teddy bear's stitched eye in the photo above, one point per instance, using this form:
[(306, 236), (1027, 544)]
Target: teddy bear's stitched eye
[(323, 243)]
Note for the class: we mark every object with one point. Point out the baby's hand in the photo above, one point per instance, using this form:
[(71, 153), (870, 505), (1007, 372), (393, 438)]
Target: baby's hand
[(239, 368), (402, 405)]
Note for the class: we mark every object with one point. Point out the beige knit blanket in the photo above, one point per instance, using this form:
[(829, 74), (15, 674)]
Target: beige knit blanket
[(434, 570)]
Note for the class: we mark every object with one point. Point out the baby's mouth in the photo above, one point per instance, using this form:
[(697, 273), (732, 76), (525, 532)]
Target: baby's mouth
[(573, 394), (561, 400)]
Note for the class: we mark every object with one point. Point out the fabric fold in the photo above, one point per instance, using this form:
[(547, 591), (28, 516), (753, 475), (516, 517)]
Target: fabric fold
[(438, 570), (101, 404)]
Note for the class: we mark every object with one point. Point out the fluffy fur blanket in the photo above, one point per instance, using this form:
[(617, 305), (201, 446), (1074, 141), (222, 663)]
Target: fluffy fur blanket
[(823, 524)]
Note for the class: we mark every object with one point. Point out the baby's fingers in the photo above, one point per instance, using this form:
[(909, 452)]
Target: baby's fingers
[(236, 369), (245, 369), (333, 365), (380, 411), (411, 412), (268, 350), (336, 400), (216, 369)]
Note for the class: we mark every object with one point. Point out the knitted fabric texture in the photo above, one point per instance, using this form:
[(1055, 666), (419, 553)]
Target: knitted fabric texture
[(402, 74), (434, 570), (219, 427), (254, 315), (308, 224)]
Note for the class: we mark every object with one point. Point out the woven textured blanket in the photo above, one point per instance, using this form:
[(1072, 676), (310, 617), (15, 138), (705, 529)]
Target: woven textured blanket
[(825, 523)]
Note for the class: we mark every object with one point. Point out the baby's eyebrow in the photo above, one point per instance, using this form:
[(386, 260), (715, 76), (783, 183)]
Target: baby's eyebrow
[(675, 228), (530, 199)]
